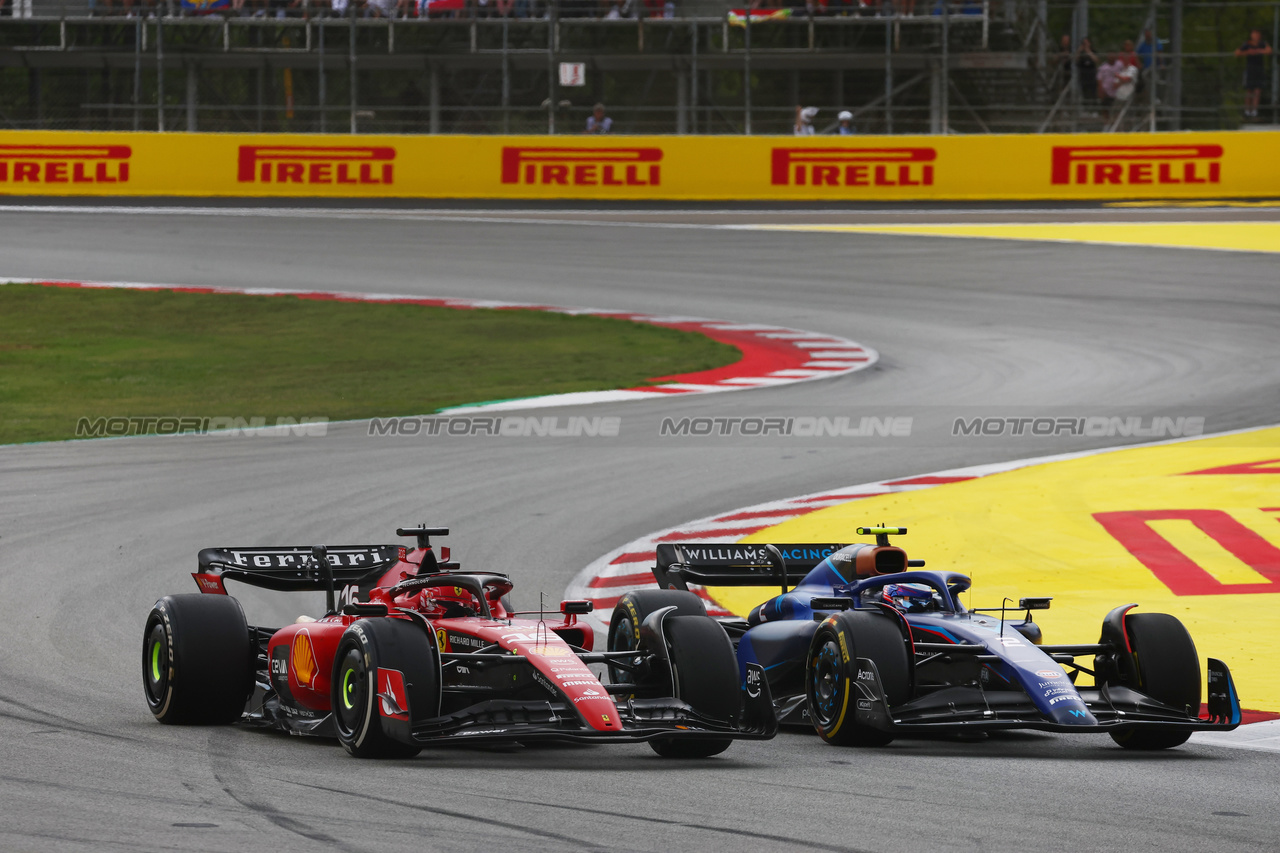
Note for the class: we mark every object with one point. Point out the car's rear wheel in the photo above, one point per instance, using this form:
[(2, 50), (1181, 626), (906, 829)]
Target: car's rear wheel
[(631, 611), (1168, 669), (197, 659), (831, 674), (704, 669), (385, 676)]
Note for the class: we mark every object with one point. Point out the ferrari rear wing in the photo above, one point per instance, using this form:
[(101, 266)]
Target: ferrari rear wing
[(295, 568), (735, 564)]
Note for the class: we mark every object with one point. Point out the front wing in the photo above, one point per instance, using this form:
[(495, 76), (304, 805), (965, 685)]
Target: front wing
[(971, 709), (500, 721)]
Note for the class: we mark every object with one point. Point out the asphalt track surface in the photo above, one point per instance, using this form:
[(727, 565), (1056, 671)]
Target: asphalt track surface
[(94, 532)]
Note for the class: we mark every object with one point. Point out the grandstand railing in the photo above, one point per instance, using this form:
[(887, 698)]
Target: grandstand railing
[(971, 67)]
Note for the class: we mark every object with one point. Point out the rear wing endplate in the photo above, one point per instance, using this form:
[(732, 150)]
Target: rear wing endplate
[(293, 568), (735, 564)]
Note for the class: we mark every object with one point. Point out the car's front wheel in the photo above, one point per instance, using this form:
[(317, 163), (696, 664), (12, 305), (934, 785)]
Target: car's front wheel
[(385, 675), (831, 674), (704, 670), (1168, 669), (631, 611)]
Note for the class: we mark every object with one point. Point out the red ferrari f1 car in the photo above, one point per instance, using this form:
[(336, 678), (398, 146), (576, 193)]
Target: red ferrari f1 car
[(413, 651)]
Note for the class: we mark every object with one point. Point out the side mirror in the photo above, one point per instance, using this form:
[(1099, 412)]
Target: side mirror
[(578, 607), (1034, 603)]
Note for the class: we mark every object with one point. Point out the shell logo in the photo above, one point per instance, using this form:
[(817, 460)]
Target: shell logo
[(302, 657), (549, 651)]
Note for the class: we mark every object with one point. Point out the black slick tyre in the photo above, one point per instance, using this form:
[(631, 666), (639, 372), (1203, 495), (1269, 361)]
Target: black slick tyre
[(373, 718), (831, 674), (705, 671), (1168, 668), (197, 660), (631, 611)]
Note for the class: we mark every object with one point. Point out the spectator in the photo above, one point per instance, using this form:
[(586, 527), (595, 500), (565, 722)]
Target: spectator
[(1109, 81), (619, 9), (598, 122), (382, 8), (1148, 47), (845, 128), (804, 120), (1128, 56), (657, 9), (1065, 59), (1127, 82), (1087, 71), (1253, 52)]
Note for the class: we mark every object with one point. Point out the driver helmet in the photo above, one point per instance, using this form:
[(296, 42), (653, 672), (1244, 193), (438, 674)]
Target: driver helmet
[(455, 601), (909, 597)]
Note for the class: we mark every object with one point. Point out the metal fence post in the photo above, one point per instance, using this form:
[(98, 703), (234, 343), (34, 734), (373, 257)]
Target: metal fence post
[(1042, 25), (888, 76), (160, 73), (351, 60), (193, 83), (693, 80), (506, 79), (1174, 94), (1154, 20), (746, 77), (1275, 64), (137, 72), (553, 20), (434, 96), (321, 98), (682, 103), (946, 68)]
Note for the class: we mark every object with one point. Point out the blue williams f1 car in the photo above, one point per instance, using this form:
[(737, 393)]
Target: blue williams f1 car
[(867, 646)]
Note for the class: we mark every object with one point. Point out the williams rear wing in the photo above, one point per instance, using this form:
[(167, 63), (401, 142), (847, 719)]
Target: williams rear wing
[(731, 564), (294, 568)]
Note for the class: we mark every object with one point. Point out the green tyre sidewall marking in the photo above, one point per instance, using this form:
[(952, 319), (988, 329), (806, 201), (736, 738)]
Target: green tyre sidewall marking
[(347, 688)]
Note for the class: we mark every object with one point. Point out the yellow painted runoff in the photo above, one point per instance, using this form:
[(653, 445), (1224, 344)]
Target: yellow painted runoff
[(1231, 236), (1190, 528)]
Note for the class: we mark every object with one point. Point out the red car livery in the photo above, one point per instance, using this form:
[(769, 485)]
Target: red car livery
[(412, 650)]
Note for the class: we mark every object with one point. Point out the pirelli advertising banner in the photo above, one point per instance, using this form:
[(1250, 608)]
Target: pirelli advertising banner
[(1092, 166)]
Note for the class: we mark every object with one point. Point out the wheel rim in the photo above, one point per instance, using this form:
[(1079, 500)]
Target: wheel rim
[(351, 692), (623, 639), (826, 684), (348, 687), (155, 664)]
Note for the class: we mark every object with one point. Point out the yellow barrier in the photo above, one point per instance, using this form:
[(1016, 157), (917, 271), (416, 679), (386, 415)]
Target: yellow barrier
[(1085, 166)]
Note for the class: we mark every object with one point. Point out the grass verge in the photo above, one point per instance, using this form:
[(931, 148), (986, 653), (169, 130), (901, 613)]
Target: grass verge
[(72, 353)]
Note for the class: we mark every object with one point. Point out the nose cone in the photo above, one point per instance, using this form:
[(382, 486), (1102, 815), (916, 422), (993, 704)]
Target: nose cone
[(1073, 714), (571, 678)]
